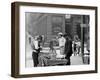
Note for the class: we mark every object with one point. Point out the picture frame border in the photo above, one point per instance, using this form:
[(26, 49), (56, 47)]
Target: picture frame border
[(15, 38)]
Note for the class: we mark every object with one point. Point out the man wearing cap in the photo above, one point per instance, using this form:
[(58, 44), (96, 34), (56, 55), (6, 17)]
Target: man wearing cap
[(61, 41)]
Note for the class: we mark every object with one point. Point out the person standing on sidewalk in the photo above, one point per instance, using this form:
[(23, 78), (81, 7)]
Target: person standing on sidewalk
[(36, 51), (68, 48), (61, 41)]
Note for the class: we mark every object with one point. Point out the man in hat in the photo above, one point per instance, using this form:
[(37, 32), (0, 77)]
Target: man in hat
[(61, 41)]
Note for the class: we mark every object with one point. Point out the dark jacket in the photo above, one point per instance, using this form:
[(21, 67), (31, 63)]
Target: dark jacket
[(68, 48)]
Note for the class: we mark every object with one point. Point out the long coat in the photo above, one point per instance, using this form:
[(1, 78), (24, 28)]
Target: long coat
[(68, 48)]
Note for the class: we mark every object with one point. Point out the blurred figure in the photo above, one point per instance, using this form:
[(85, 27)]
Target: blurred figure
[(76, 45), (41, 40), (52, 51)]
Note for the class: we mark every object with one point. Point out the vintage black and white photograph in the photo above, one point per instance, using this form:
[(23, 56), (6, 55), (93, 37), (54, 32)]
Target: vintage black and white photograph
[(53, 39), (56, 39)]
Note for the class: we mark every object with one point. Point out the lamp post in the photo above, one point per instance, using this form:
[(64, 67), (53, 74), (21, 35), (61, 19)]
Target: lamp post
[(82, 42), (82, 39)]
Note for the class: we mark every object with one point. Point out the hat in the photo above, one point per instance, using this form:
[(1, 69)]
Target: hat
[(60, 33), (36, 37)]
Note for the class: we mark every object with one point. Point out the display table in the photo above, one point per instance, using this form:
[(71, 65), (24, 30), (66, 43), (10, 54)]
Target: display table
[(57, 62), (60, 59)]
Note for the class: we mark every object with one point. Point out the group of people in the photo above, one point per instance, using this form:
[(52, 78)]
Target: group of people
[(40, 59)]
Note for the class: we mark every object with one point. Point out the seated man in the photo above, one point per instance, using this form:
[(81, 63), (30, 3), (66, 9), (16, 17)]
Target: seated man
[(50, 55)]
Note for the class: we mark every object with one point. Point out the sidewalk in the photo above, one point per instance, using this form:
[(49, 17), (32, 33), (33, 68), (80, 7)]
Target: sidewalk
[(76, 60)]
